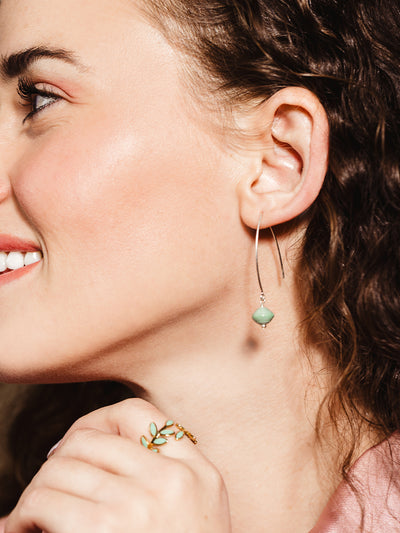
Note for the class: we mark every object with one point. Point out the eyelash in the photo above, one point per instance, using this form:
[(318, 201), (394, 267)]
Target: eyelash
[(27, 91)]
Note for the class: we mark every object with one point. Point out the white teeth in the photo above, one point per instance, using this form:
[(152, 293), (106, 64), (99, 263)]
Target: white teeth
[(16, 260), (3, 261), (32, 257)]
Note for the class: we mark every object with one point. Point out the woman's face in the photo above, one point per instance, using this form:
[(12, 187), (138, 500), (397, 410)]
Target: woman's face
[(114, 178)]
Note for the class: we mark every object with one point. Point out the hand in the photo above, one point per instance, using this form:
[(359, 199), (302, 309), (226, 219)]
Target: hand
[(100, 479)]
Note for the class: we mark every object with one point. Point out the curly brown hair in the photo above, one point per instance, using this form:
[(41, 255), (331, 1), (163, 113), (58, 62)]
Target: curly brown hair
[(347, 53)]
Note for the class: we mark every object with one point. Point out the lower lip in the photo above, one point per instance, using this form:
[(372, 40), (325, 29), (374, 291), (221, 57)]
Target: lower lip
[(8, 277)]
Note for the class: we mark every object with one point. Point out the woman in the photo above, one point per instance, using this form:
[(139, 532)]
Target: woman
[(145, 147)]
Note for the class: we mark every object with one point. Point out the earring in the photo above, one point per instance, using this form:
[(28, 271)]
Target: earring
[(263, 315)]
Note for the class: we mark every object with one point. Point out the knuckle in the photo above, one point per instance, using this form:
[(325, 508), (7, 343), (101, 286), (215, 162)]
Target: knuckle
[(116, 518), (215, 480), (134, 409), (146, 517), (130, 403), (45, 473), (54, 467), (144, 513), (79, 436), (106, 521), (134, 404), (181, 478), (33, 499)]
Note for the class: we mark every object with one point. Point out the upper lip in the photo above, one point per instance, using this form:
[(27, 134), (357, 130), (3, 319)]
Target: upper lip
[(9, 243)]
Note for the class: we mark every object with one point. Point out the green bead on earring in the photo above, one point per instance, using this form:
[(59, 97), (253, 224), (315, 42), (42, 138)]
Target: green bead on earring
[(263, 315)]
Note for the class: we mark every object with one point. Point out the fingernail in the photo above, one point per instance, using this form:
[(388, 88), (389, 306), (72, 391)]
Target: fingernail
[(53, 449)]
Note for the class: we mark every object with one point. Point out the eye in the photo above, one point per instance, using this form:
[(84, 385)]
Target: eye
[(37, 99)]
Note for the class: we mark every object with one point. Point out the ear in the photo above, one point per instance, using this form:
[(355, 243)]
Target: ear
[(286, 171)]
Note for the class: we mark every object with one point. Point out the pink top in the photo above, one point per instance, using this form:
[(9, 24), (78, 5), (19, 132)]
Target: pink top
[(376, 475)]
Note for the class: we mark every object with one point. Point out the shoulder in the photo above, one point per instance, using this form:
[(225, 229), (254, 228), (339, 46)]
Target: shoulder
[(370, 500)]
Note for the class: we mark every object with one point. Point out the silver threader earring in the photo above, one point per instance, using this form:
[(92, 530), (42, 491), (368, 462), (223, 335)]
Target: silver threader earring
[(263, 315)]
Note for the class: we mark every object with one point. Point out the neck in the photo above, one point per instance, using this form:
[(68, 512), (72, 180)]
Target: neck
[(251, 402), (259, 436)]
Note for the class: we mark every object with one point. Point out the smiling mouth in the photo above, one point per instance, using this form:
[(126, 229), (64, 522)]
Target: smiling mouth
[(13, 261)]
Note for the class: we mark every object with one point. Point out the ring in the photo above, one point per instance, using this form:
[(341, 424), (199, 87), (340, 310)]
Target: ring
[(159, 437)]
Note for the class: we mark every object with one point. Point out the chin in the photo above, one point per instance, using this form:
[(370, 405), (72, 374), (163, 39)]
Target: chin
[(31, 371)]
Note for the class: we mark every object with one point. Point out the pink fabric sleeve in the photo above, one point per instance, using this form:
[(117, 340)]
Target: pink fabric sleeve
[(376, 477)]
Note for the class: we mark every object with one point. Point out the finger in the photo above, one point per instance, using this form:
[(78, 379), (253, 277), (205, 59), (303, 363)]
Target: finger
[(42, 509), (132, 418), (112, 453), (83, 480)]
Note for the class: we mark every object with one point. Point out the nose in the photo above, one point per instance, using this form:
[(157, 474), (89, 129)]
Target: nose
[(5, 153), (5, 190), (5, 184)]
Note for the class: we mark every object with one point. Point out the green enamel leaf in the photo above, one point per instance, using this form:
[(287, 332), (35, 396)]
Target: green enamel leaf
[(167, 432), (169, 423), (144, 442), (153, 429), (160, 441), (179, 435)]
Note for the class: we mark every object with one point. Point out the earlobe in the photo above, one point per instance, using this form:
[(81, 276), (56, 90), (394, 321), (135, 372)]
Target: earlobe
[(289, 168)]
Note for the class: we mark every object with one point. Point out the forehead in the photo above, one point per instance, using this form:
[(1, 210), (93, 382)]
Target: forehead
[(110, 38), (73, 24)]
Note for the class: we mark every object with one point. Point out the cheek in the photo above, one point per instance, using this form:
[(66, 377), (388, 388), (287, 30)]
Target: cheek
[(125, 217), (65, 183), (137, 223), (96, 173)]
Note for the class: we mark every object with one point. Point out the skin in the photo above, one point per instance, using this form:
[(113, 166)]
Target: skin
[(145, 149), (115, 492), (145, 215)]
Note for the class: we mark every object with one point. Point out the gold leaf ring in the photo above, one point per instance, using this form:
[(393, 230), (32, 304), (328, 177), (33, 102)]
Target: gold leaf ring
[(159, 437)]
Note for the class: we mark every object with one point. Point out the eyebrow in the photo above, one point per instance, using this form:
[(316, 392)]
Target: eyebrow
[(18, 63)]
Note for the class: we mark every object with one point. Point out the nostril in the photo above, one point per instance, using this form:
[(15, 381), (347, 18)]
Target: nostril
[(5, 189)]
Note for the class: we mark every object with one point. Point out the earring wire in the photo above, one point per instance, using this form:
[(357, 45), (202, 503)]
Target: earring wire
[(257, 246)]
